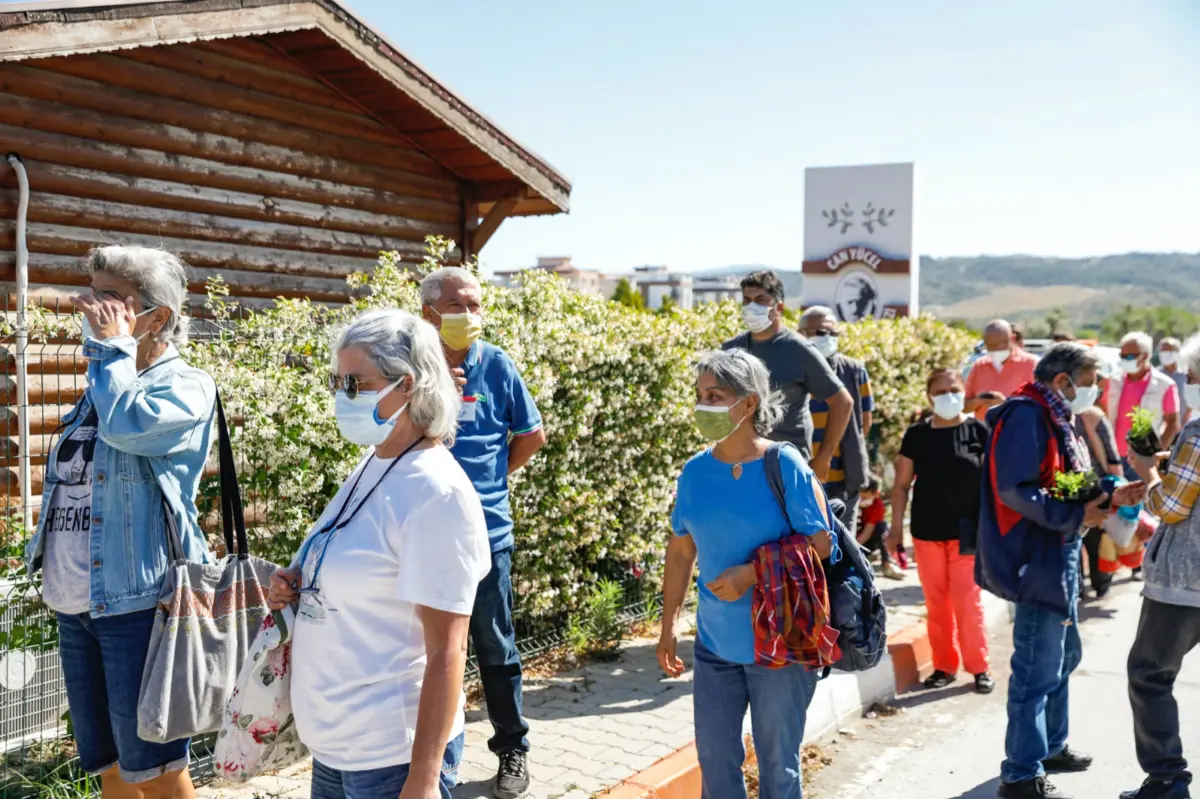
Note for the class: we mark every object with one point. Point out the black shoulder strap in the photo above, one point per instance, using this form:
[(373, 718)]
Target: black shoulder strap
[(775, 478), (232, 514)]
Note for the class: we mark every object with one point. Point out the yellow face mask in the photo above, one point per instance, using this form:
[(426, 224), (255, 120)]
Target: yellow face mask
[(460, 330)]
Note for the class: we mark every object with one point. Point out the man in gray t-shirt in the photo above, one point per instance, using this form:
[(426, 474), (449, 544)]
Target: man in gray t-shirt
[(797, 370)]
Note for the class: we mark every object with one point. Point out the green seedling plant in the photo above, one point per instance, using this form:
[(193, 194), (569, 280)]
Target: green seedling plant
[(1141, 423), (1073, 486)]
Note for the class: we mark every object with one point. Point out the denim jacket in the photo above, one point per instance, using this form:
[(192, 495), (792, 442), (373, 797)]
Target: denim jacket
[(154, 433)]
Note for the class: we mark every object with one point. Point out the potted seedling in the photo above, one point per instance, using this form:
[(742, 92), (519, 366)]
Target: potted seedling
[(1081, 487), (1142, 439)]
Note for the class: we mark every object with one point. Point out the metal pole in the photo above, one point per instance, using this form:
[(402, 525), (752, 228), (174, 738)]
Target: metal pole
[(23, 343)]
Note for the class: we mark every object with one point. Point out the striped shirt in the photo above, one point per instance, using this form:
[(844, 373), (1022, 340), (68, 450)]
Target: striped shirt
[(1173, 499), (854, 377)]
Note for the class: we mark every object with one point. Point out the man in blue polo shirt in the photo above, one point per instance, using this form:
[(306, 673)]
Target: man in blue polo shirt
[(499, 430)]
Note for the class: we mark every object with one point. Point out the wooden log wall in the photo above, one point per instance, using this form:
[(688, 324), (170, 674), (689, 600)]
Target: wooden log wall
[(230, 154)]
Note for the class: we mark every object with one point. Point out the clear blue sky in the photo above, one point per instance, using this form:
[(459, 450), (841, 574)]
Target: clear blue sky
[(1058, 127)]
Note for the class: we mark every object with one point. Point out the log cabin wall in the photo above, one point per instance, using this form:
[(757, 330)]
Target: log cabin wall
[(230, 153)]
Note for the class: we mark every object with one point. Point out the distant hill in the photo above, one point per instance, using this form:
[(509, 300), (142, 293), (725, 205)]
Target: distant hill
[(1027, 286)]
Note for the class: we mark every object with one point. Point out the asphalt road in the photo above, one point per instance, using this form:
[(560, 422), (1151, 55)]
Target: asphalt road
[(948, 744)]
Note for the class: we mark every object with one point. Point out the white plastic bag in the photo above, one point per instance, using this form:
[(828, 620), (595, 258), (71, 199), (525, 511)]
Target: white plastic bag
[(258, 732)]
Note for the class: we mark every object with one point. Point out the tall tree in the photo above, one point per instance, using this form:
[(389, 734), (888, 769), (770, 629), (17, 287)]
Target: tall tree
[(627, 295)]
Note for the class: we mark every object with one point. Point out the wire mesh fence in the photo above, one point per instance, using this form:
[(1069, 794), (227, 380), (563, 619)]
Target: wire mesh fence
[(34, 724)]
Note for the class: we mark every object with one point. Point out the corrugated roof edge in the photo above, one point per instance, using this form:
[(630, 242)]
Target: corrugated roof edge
[(35, 12)]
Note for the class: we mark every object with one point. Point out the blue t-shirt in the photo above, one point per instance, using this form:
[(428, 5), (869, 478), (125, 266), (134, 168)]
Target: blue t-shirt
[(496, 404), (729, 519)]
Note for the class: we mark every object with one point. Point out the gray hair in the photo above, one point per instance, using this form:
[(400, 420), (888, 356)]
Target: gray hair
[(745, 375), (159, 277), (817, 312), (1189, 354), (1066, 358), (401, 345), (1170, 341), (1143, 341), (431, 286)]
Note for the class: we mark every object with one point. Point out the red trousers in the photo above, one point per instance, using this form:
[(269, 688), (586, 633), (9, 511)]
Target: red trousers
[(954, 606)]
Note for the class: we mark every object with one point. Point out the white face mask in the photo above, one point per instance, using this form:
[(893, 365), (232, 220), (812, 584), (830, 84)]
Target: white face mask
[(1085, 397), (949, 406), (1169, 358), (1191, 395), (826, 345), (1131, 367), (357, 418), (999, 357), (757, 317), (86, 332)]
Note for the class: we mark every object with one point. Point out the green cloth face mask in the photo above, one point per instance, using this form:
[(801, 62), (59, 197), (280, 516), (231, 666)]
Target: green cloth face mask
[(714, 421)]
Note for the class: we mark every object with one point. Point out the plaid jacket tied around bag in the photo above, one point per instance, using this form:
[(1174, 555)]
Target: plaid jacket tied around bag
[(791, 607)]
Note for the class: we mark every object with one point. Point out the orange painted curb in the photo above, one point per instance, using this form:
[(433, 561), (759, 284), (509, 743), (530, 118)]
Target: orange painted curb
[(676, 776), (912, 655)]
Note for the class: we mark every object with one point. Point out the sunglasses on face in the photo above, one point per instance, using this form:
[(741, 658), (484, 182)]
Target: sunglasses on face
[(351, 384), (1130, 358), (822, 333)]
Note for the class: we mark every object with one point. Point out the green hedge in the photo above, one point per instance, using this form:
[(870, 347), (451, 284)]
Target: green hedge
[(614, 384)]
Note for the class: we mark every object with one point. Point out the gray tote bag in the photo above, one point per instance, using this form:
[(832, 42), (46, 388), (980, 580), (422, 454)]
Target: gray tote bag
[(207, 617)]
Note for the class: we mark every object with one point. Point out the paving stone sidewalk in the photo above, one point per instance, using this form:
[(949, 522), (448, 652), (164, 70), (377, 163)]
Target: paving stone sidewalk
[(590, 728)]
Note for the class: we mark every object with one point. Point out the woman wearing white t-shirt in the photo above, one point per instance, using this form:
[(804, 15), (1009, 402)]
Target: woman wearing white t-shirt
[(386, 580)]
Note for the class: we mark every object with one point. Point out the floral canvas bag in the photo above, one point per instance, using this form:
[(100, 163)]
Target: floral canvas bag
[(258, 732)]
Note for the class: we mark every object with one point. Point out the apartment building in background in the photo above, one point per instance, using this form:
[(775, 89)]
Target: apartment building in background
[(656, 283)]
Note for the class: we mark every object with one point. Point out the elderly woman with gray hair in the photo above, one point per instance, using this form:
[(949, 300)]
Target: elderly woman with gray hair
[(1170, 623), (724, 511), (131, 451), (386, 580)]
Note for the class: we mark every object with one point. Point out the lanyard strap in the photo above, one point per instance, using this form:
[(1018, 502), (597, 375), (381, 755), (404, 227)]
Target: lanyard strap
[(338, 523)]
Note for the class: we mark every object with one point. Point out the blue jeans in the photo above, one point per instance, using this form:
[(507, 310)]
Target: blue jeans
[(381, 783), (496, 653), (1047, 649), (778, 700), (102, 662)]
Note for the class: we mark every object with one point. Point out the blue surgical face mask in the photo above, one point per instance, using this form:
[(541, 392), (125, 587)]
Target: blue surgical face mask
[(358, 418)]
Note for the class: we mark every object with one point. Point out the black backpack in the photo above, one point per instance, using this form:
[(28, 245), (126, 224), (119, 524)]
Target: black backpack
[(856, 606)]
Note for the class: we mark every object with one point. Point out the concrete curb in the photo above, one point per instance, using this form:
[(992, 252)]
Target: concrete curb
[(839, 697), (912, 655)]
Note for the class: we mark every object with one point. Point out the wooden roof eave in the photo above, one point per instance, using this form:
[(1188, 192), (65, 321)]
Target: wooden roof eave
[(68, 27)]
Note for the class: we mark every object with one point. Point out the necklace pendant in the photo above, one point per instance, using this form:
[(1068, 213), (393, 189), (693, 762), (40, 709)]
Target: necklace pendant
[(737, 471)]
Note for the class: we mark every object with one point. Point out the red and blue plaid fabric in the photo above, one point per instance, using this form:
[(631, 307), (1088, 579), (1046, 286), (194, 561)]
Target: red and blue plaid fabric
[(791, 607)]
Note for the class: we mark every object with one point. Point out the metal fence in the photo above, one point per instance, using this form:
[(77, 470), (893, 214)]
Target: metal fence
[(34, 726)]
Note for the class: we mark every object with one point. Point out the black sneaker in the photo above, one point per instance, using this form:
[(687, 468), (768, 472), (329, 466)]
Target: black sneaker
[(1067, 760), (1037, 788), (939, 679), (512, 780), (1157, 789), (984, 683)]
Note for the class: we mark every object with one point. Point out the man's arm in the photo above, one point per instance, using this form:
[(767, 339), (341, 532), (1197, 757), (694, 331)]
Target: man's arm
[(1170, 428), (841, 406), (524, 420), (524, 447), (1171, 415), (823, 383), (1017, 451), (867, 399)]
